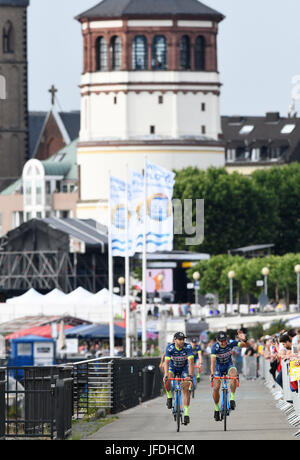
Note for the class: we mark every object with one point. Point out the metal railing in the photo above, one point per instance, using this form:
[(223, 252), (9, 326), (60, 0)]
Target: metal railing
[(38, 402), (2, 403), (93, 385), (114, 384), (287, 400)]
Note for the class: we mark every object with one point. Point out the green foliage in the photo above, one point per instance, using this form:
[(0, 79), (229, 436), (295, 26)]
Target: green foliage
[(241, 210), (276, 327), (282, 280)]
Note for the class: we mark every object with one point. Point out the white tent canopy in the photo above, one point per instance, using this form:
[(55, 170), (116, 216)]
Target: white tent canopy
[(30, 296), (54, 295), (80, 294), (79, 303)]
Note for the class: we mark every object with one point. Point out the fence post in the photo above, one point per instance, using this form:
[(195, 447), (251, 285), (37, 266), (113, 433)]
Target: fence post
[(2, 403), (60, 409)]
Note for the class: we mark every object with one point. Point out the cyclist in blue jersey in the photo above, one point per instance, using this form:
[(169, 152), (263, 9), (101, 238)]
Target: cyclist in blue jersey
[(197, 357), (222, 364), (179, 362)]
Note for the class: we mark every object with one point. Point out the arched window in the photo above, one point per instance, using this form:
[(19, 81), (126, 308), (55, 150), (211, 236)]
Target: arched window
[(159, 53), (115, 53), (140, 53), (8, 38), (200, 53), (101, 54), (185, 53)]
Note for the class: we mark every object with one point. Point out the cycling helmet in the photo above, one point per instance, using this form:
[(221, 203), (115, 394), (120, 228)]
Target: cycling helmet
[(179, 335), (221, 335)]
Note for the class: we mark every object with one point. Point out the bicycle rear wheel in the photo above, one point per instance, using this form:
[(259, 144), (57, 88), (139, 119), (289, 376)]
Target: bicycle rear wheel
[(178, 412)]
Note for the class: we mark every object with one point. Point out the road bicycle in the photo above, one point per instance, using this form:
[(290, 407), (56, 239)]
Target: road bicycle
[(177, 410), (194, 387), (225, 402)]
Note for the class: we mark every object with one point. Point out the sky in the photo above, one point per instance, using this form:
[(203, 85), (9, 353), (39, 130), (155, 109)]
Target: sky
[(258, 52)]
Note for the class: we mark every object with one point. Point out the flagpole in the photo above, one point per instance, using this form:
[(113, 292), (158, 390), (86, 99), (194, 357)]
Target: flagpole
[(144, 286), (127, 267), (110, 275)]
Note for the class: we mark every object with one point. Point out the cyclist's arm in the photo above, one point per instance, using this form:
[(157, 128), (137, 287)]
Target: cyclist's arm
[(162, 359), (191, 365), (166, 365), (213, 359), (200, 357)]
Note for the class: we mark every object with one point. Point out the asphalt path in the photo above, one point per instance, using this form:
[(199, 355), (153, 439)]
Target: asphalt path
[(255, 418)]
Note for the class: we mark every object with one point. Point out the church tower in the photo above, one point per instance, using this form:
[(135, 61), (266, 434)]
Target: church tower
[(150, 86), (13, 109)]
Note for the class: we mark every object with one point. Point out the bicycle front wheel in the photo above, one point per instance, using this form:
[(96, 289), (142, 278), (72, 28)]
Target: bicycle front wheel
[(225, 403), (178, 414)]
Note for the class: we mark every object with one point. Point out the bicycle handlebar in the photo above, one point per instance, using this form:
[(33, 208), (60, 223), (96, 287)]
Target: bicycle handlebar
[(225, 377)]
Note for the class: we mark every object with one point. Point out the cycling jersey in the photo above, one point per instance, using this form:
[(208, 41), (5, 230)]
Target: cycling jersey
[(179, 357), (224, 357), (196, 350)]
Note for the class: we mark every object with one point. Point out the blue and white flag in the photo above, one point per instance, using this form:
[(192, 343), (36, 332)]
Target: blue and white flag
[(159, 211), (118, 218), (136, 207)]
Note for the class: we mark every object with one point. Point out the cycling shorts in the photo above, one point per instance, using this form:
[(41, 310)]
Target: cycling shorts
[(220, 371), (181, 372)]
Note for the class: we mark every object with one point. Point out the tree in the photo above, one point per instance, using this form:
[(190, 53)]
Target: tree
[(236, 209)]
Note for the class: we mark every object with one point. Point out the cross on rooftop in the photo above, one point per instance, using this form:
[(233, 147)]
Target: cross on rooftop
[(53, 90)]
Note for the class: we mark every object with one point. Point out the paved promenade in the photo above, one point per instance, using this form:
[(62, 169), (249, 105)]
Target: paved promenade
[(256, 418)]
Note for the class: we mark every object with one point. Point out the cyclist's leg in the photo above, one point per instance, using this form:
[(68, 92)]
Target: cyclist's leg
[(232, 372), (196, 361), (216, 392), (186, 394), (169, 389)]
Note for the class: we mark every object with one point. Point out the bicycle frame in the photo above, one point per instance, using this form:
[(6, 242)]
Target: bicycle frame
[(177, 410), (225, 403)]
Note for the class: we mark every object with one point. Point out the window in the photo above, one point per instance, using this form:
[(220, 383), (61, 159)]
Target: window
[(159, 53), (230, 154), (247, 129), (101, 54), (203, 129), (203, 107), (115, 53), (39, 191), (115, 100), (24, 349), (140, 53), (200, 53), (152, 129), (160, 99), (288, 129), (185, 53), (8, 38)]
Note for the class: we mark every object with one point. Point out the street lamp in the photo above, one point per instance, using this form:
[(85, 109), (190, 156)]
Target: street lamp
[(231, 275), (297, 270), (265, 272), (196, 277), (121, 282)]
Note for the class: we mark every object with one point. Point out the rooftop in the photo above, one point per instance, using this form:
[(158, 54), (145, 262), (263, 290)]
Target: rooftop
[(158, 8)]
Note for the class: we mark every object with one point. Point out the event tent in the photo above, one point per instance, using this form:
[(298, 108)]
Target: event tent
[(95, 331), (54, 295), (41, 331), (79, 303), (31, 296)]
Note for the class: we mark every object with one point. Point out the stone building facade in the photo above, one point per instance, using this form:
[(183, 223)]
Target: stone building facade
[(13, 109)]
